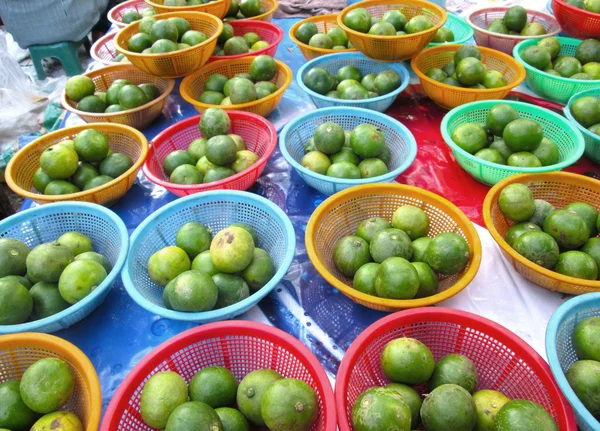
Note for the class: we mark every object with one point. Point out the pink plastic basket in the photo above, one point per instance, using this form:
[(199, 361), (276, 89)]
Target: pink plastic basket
[(103, 50), (116, 13), (267, 32)]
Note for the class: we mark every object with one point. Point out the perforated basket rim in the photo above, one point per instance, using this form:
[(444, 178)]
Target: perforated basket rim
[(61, 208), (222, 330), (549, 17), (116, 67), (567, 110), (397, 189), (265, 25), (165, 135), (492, 196), (75, 355), (565, 310), (267, 13), (173, 207), (318, 18), (184, 8), (411, 143), (101, 42), (116, 22), (436, 314), (565, 125), (585, 13), (315, 62), (460, 22), (521, 46)]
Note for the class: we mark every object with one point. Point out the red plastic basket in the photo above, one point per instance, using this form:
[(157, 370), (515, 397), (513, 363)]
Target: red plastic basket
[(576, 22), (116, 13), (240, 346), (258, 133), (103, 50), (267, 32), (504, 361)]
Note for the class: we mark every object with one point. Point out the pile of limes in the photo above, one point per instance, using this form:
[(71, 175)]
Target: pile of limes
[(243, 87), (350, 84), (450, 404), (467, 70), (48, 279), (392, 23), (584, 374), (589, 5), (33, 402), (563, 240), (351, 154), (121, 95), (443, 35), (335, 38), (230, 44), (201, 273), (165, 35), (585, 65), (507, 139), (263, 398), (515, 22), (218, 155), (586, 111), (172, 3), (398, 260), (133, 15), (83, 163), (242, 9)]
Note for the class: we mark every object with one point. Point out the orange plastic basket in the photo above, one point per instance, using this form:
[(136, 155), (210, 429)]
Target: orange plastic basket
[(269, 6), (560, 189), (324, 23), (116, 13), (341, 214), (19, 351), (217, 8), (192, 86), (139, 117), (448, 96), (394, 48), (122, 139), (176, 63)]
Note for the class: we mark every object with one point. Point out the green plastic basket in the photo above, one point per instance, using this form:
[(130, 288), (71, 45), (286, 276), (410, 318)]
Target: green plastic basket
[(592, 140), (557, 128), (462, 31), (549, 86)]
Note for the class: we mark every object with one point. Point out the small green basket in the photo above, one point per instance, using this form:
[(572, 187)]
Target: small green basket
[(556, 128), (462, 31), (592, 140), (549, 86)]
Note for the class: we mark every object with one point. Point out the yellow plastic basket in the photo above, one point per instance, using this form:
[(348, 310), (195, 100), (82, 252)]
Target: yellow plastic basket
[(448, 96), (139, 117), (324, 23), (217, 8), (122, 139), (560, 189), (394, 48), (341, 214), (192, 86), (19, 351), (269, 6), (176, 63)]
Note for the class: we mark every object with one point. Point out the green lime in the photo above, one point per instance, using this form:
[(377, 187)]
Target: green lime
[(500, 146), (396, 279), (591, 247), (533, 29), (443, 35), (306, 31), (499, 116), (538, 247), (112, 94), (226, 34), (523, 159), (14, 413), (79, 279), (47, 300), (381, 408), (364, 278), (350, 253), (130, 16), (260, 270), (491, 155), (497, 26), (263, 68), (542, 210), (454, 369), (60, 187), (592, 69), (436, 74), (197, 148), (547, 152), (59, 162), (592, 6), (250, 8), (450, 68), (91, 104), (193, 238), (349, 72), (449, 408), (463, 52), (552, 45), (161, 395), (316, 162), (588, 212), (40, 180), (116, 165), (516, 202), (248, 229), (586, 340), (338, 37), (470, 71), (588, 51), (214, 122), (523, 135), (46, 262), (204, 263), (369, 227), (347, 83), (166, 264), (396, 18), (329, 138), (452, 81), (232, 249), (162, 46), (139, 42), (98, 181), (132, 96), (47, 384), (214, 386), (344, 170), (217, 173), (78, 87), (321, 41), (368, 81), (251, 392), (418, 24), (319, 80), (16, 303), (215, 82), (488, 404), (232, 419), (235, 46), (13, 257), (568, 228), (577, 264), (584, 378), (524, 415), (84, 173), (390, 243), (76, 242), (182, 25), (59, 421), (289, 405), (367, 141), (354, 92), (371, 168), (19, 279), (386, 82), (428, 281), (232, 289), (176, 159), (407, 360), (411, 219), (586, 110), (470, 137), (420, 248), (146, 25), (448, 253), (164, 29), (96, 257), (221, 150), (266, 85), (243, 160), (383, 29), (516, 230), (515, 18), (358, 20), (346, 155), (91, 145), (567, 66)]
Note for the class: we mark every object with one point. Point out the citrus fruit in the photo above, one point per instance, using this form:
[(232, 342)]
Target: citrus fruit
[(488, 404), (260, 270), (232, 249), (193, 238), (19, 279), (214, 122), (382, 29), (235, 46), (194, 416), (523, 159), (533, 29), (221, 150), (47, 300), (448, 253), (588, 51), (182, 25), (59, 162), (364, 278), (226, 34), (396, 18), (470, 137), (586, 110), (367, 141), (47, 261), (516, 230), (592, 70), (232, 289), (116, 165), (454, 369), (316, 162), (146, 25), (139, 42), (591, 247), (96, 257), (369, 227), (542, 210), (344, 170), (419, 248), (358, 20), (497, 26), (577, 264), (13, 257), (232, 419), (584, 378), (76, 242), (91, 104), (452, 81), (592, 6), (58, 421), (428, 281), (568, 228), (338, 36), (418, 24), (197, 148), (131, 96), (585, 339), (449, 408), (463, 52), (321, 41), (217, 173), (538, 247), (547, 152), (47, 384), (97, 182), (16, 303), (60, 187), (552, 45), (349, 72), (204, 263), (412, 400), (516, 202), (162, 46), (250, 8), (289, 405), (84, 173), (161, 395), (386, 82), (251, 391), (470, 71), (346, 155), (14, 413), (515, 18), (319, 80), (214, 386), (567, 66), (166, 264), (91, 145), (588, 212), (381, 408), (79, 279), (390, 243), (537, 56), (443, 35), (499, 116), (215, 82), (491, 155), (522, 135), (192, 291), (78, 87), (329, 138), (524, 415), (436, 74), (267, 85), (494, 79), (350, 253), (306, 31), (175, 159), (354, 92), (411, 219), (164, 29), (500, 146), (371, 168), (40, 180), (396, 278)]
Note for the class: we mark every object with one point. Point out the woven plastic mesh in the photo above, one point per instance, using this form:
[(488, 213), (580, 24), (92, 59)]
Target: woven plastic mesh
[(481, 19), (266, 31), (592, 140), (335, 62), (555, 128), (396, 48), (258, 136), (116, 13), (177, 63), (217, 8), (461, 30), (560, 192), (399, 140), (449, 97), (139, 117), (324, 23), (576, 22), (104, 50)]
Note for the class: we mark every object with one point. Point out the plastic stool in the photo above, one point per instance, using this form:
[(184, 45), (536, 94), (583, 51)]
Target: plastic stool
[(65, 52)]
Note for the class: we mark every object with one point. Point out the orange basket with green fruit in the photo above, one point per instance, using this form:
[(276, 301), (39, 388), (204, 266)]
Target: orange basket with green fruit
[(217, 8), (303, 31)]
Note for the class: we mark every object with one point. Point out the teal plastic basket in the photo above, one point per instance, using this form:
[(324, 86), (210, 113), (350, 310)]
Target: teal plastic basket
[(557, 128), (549, 86), (48, 222), (216, 210), (561, 353), (592, 140), (463, 33)]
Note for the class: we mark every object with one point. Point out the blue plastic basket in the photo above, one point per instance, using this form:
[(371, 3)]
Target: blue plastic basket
[(217, 210), (333, 62), (592, 140), (45, 224), (561, 353), (295, 134), (462, 31)]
